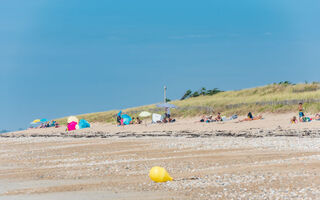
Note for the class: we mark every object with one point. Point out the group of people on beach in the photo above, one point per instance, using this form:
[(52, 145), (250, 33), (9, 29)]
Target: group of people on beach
[(250, 117), (302, 117), (209, 118), (48, 124), (166, 118), (134, 120), (219, 118)]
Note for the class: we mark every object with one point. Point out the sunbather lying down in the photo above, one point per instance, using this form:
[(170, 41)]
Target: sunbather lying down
[(219, 118), (205, 118), (316, 117), (251, 118)]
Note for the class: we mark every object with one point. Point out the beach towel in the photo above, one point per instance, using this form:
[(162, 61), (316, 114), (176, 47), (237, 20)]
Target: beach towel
[(156, 118), (224, 118), (233, 117)]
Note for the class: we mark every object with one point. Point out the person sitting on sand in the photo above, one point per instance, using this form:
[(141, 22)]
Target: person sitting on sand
[(301, 114), (294, 120), (251, 118), (167, 119), (52, 123), (118, 120), (138, 121), (209, 118), (133, 121), (56, 125), (164, 120), (218, 118)]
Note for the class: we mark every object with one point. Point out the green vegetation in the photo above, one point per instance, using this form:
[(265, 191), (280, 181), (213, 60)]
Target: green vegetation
[(202, 92), (276, 98)]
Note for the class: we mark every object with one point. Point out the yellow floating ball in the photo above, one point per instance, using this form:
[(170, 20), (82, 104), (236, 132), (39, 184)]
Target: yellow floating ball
[(159, 174)]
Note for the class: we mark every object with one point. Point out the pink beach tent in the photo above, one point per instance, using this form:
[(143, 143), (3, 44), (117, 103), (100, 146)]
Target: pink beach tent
[(72, 126)]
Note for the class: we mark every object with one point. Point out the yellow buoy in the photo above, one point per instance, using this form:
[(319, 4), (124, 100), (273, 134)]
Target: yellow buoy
[(159, 174)]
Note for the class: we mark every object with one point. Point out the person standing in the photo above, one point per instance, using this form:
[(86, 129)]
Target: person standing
[(301, 114), (168, 113)]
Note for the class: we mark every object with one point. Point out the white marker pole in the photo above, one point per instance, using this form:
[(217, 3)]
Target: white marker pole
[(165, 96)]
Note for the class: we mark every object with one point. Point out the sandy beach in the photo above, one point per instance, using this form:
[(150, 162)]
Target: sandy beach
[(159, 100), (270, 125), (266, 159)]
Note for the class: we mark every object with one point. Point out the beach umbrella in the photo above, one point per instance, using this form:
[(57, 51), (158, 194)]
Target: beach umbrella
[(36, 121), (35, 124), (125, 116), (43, 120), (144, 114), (73, 119), (72, 126), (166, 105)]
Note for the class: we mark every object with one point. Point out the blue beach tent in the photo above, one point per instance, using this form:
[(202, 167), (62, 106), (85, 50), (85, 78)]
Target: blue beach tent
[(126, 119), (84, 124)]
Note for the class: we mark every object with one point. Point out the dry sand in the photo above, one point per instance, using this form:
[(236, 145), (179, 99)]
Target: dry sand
[(271, 125), (109, 162)]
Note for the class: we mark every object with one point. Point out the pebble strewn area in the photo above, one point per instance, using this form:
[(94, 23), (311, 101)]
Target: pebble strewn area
[(212, 167)]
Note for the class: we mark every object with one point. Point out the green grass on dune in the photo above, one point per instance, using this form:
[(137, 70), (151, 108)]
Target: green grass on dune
[(274, 98)]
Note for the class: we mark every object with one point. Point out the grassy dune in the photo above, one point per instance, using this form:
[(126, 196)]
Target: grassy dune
[(273, 98)]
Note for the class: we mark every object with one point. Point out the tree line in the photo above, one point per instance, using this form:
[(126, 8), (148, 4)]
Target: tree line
[(202, 92)]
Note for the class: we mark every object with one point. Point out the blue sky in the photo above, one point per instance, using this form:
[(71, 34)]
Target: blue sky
[(59, 58)]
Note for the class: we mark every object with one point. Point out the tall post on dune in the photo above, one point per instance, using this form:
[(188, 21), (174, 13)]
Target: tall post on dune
[(165, 95)]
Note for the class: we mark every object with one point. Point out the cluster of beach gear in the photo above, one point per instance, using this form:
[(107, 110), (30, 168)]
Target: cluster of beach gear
[(43, 123), (74, 123), (125, 119)]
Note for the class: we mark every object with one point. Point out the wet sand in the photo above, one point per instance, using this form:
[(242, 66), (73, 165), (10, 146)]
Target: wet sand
[(117, 168)]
